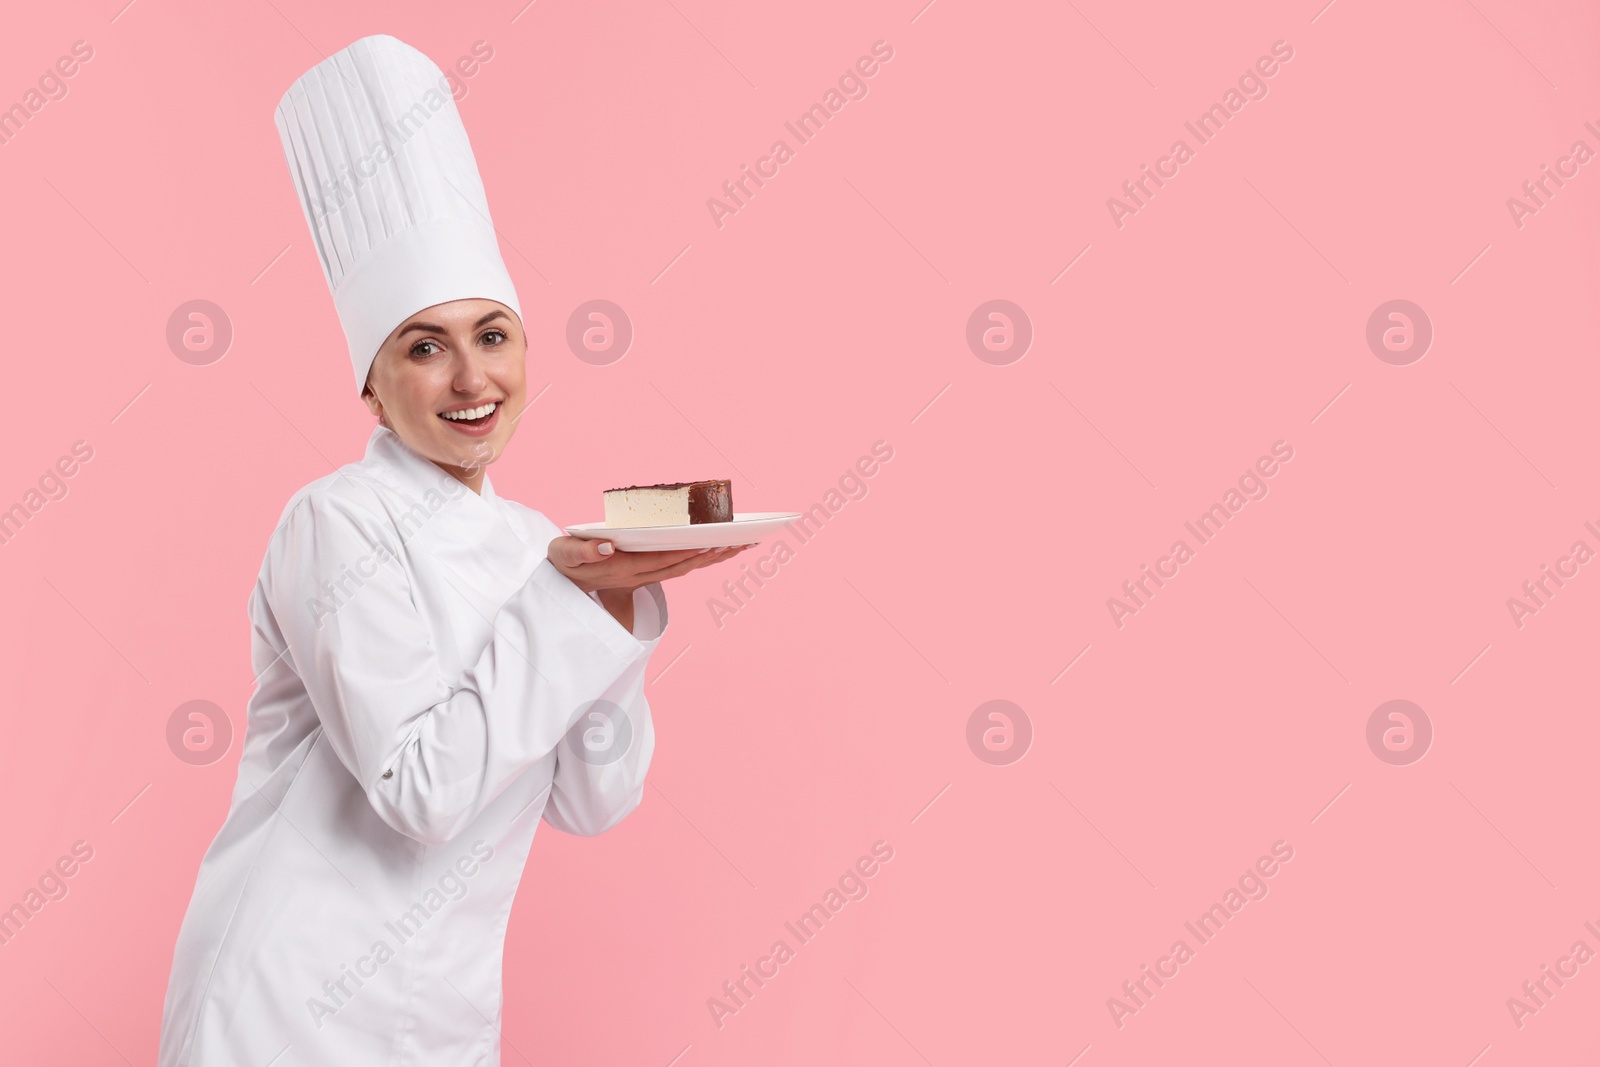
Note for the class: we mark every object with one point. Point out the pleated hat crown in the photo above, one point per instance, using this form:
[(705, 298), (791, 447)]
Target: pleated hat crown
[(390, 189)]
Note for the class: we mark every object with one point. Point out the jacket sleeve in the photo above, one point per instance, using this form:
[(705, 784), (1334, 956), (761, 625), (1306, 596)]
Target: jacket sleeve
[(602, 761), (431, 752)]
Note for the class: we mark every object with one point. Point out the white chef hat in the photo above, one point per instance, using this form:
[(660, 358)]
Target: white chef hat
[(390, 189)]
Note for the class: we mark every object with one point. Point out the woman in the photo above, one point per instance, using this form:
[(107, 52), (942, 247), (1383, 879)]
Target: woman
[(438, 669)]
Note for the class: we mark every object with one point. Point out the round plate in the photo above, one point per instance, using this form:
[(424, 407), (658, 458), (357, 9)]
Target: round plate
[(747, 528)]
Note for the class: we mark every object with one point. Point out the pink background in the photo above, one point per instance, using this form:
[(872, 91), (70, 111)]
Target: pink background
[(828, 314)]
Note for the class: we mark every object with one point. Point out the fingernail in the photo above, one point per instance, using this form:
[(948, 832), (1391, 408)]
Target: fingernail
[(703, 551), (606, 548)]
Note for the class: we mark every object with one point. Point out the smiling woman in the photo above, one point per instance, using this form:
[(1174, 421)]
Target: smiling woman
[(426, 658)]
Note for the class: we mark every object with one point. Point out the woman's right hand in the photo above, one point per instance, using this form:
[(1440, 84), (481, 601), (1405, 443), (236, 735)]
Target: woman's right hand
[(591, 570)]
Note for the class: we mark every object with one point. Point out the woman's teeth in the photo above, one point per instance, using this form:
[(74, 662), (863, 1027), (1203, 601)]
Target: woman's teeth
[(470, 413)]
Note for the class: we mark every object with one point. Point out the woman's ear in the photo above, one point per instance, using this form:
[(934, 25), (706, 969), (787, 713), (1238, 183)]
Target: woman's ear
[(373, 403)]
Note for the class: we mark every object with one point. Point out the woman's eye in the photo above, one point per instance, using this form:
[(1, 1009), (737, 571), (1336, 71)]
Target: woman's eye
[(494, 333), (416, 349)]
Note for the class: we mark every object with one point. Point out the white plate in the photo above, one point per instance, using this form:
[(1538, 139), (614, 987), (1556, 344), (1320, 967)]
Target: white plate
[(747, 528)]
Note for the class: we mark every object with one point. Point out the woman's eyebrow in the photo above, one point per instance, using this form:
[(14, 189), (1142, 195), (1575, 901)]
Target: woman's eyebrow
[(432, 328)]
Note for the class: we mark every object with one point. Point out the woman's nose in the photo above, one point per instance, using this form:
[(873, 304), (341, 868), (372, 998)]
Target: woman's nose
[(470, 376)]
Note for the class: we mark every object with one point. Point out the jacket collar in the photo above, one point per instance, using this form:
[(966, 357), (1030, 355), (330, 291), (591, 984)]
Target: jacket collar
[(396, 463), (482, 540)]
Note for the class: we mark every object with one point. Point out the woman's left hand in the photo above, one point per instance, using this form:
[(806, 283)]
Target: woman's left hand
[(591, 570)]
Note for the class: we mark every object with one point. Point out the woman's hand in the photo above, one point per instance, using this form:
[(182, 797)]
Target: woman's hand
[(591, 570)]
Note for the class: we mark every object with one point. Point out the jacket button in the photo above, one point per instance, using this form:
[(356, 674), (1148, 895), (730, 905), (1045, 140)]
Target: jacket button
[(388, 774)]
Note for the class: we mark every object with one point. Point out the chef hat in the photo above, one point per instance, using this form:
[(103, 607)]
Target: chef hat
[(390, 190)]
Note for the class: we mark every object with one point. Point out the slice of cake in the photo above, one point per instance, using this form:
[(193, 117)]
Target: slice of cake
[(669, 504)]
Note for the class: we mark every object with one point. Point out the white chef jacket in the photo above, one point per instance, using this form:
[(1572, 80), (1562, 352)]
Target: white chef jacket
[(427, 692)]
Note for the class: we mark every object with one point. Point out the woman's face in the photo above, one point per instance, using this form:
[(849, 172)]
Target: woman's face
[(451, 358)]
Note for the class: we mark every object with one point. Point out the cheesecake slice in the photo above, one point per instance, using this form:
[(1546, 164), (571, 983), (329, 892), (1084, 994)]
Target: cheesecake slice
[(669, 504)]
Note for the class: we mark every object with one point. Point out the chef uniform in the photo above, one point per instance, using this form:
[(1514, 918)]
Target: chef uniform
[(429, 686)]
